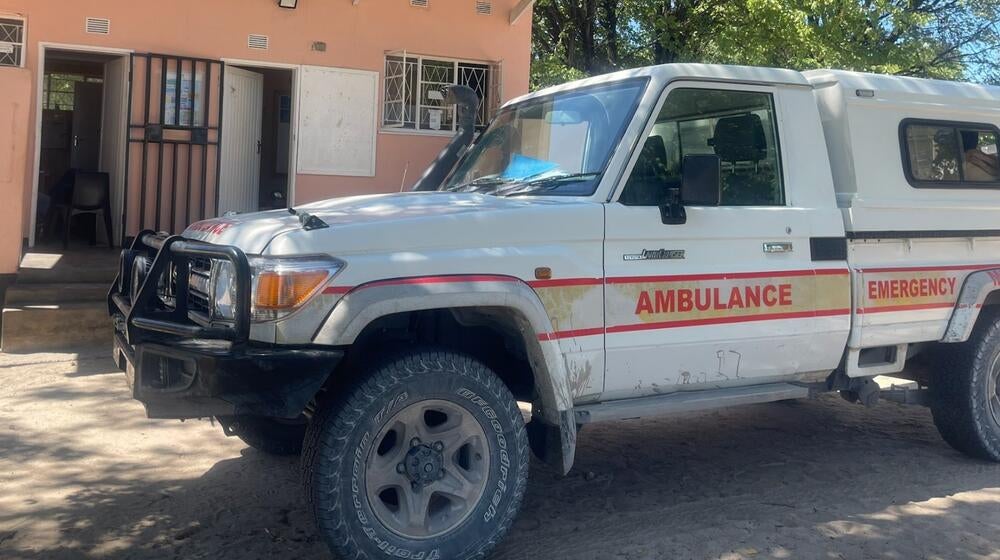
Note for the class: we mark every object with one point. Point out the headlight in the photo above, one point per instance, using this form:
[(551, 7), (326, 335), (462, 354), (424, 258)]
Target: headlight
[(279, 286), (223, 295)]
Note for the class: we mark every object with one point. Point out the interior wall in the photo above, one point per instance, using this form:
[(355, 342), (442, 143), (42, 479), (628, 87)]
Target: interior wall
[(277, 82), (57, 125)]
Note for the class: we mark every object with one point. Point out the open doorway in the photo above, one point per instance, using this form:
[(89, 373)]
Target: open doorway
[(256, 147), (81, 151)]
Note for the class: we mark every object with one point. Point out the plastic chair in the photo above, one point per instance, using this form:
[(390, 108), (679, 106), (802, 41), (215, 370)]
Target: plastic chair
[(91, 195)]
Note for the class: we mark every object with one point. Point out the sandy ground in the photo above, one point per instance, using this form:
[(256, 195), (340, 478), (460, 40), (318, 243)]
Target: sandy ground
[(83, 474)]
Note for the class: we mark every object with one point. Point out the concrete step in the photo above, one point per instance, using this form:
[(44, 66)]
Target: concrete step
[(68, 275), (65, 292), (46, 327), (84, 266)]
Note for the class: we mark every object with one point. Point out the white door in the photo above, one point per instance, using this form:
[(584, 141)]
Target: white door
[(242, 110), (113, 135), (733, 295)]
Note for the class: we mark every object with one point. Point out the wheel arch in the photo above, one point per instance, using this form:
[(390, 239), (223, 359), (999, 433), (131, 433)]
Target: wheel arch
[(980, 290), (502, 301)]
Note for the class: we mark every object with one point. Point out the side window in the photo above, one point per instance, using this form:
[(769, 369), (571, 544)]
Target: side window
[(737, 126), (956, 155)]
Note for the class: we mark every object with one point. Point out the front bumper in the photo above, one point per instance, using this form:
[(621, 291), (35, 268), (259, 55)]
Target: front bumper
[(198, 378), (180, 364), (137, 295)]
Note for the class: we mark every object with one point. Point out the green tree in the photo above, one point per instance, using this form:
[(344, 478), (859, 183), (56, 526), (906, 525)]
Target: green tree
[(949, 39)]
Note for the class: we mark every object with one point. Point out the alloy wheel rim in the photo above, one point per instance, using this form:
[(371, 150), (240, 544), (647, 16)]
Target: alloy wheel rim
[(427, 469)]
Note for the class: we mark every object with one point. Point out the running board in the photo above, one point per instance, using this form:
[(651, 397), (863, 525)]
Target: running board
[(687, 401)]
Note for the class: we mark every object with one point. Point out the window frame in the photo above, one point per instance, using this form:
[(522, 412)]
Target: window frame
[(904, 153), (747, 87), (494, 70), (24, 38)]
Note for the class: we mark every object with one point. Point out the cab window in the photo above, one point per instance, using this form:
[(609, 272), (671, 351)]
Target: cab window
[(737, 126)]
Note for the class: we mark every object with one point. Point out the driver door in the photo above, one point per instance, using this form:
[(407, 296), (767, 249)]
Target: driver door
[(728, 297)]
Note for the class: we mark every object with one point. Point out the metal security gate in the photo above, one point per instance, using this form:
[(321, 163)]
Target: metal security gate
[(174, 132)]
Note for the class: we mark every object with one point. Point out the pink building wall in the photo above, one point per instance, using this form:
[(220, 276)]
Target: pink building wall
[(15, 104), (357, 34)]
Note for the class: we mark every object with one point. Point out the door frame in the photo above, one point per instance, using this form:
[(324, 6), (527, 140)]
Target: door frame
[(39, 92), (293, 132)]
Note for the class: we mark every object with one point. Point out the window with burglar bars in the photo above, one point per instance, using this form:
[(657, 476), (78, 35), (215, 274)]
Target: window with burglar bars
[(59, 90), (11, 41), (412, 84)]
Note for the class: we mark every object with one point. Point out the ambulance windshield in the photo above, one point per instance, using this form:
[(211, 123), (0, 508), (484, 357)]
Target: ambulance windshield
[(557, 144)]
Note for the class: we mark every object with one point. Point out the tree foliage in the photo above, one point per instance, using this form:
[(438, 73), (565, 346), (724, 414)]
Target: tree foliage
[(949, 39)]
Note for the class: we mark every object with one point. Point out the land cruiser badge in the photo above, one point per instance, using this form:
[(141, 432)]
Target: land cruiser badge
[(655, 255)]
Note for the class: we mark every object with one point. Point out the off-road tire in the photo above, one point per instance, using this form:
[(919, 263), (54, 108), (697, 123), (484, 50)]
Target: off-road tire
[(268, 435), (341, 442), (959, 389)]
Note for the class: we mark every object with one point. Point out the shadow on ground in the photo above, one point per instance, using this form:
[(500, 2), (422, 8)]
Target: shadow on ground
[(816, 479)]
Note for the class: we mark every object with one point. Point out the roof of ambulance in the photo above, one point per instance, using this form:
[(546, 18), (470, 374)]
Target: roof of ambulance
[(905, 86), (902, 86)]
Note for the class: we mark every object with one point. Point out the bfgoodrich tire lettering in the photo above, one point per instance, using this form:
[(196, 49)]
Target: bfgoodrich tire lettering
[(965, 392), (355, 434)]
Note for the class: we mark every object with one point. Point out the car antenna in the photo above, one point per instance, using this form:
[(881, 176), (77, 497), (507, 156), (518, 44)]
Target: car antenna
[(308, 221)]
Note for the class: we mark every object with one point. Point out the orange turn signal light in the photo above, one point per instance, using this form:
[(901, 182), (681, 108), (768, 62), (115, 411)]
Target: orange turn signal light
[(286, 289)]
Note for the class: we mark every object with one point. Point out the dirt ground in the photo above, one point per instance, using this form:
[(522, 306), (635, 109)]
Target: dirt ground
[(83, 474)]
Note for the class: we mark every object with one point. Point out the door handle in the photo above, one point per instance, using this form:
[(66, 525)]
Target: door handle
[(777, 247), (258, 146), (76, 140)]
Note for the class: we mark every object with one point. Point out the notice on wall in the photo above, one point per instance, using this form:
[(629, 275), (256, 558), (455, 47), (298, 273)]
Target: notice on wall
[(192, 103), (434, 118), (337, 121)]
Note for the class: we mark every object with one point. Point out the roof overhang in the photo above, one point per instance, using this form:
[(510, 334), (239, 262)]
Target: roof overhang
[(518, 10)]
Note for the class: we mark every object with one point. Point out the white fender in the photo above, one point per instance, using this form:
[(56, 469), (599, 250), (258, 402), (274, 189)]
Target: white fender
[(977, 287)]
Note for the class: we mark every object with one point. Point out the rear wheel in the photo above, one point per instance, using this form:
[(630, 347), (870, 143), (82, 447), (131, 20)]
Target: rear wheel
[(965, 393), (428, 457)]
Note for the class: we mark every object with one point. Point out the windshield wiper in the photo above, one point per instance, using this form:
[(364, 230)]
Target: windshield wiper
[(477, 185), (545, 183)]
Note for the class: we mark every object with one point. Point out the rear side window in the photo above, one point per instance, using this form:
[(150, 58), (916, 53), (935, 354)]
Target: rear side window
[(949, 154)]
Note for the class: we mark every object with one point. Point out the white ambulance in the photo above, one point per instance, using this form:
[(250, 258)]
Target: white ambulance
[(648, 242)]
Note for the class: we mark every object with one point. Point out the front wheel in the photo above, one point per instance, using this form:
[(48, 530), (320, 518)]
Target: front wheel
[(427, 458), (965, 392)]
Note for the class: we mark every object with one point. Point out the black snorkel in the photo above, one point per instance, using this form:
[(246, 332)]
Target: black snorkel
[(467, 103)]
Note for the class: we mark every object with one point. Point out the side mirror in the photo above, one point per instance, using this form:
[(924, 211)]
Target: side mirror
[(701, 180), (701, 185)]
